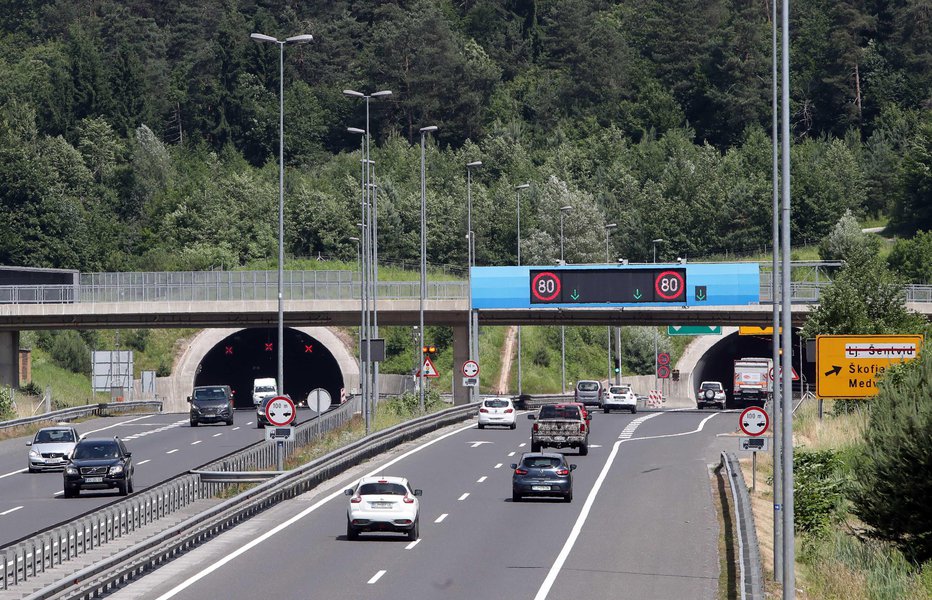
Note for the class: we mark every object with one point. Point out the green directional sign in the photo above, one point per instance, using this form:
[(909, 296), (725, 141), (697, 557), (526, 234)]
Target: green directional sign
[(694, 330)]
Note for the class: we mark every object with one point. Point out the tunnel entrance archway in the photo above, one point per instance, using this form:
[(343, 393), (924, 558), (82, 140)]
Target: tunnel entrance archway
[(248, 354), (717, 364)]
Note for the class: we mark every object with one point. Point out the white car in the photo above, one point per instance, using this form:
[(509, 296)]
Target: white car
[(51, 447), (497, 411), (382, 503), (619, 397), (710, 392)]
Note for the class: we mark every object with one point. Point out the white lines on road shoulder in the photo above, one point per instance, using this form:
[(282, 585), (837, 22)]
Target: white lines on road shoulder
[(12, 473), (511, 454), (217, 435), (120, 423), (498, 466), (463, 497), (235, 428), (441, 518), (142, 462), (413, 544), (522, 445), (481, 479), (172, 451), (59, 493), (6, 512), (196, 442), (377, 576), (248, 423)]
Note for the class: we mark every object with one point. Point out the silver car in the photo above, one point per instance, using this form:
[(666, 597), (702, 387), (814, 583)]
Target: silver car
[(51, 447), (588, 391)]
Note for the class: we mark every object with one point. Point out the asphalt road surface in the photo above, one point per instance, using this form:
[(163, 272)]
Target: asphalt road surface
[(642, 525), (163, 446)]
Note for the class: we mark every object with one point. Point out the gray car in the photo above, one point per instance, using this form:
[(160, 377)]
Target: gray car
[(542, 474), (51, 447), (589, 391)]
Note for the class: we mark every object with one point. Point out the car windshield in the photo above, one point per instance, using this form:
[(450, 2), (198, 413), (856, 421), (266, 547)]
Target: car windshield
[(496, 403), (54, 436), (97, 450), (542, 462), (559, 412), (711, 386), (588, 386), (618, 390), (382, 489), (265, 388), (210, 394)]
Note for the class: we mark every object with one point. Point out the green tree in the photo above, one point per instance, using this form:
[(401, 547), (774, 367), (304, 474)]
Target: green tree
[(913, 208), (848, 243), (912, 258)]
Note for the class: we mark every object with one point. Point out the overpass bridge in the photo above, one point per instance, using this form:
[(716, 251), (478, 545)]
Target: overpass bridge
[(248, 299)]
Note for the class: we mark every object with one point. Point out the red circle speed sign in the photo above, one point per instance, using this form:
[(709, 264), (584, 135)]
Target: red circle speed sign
[(754, 421), (663, 358), (280, 411), (670, 285), (546, 286)]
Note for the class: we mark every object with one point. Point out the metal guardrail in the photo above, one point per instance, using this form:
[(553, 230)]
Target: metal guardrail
[(47, 549), (149, 554), (750, 584), (66, 414)]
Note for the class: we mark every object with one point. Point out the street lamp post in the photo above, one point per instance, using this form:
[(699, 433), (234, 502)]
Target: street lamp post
[(608, 229), (472, 335), (654, 244), (563, 211), (518, 189), (424, 131), (362, 314), (297, 39), (373, 225)]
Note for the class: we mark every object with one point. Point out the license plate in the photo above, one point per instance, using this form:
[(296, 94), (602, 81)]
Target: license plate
[(540, 488), (93, 479), (381, 505), (559, 438)]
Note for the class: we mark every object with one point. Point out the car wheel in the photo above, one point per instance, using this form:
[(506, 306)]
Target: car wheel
[(70, 492), (31, 470), (259, 425), (605, 410), (129, 486), (414, 533), (584, 449), (515, 496), (535, 447), (230, 422), (194, 423), (568, 497), (123, 488), (700, 405), (351, 532), (514, 425), (634, 410), (481, 426)]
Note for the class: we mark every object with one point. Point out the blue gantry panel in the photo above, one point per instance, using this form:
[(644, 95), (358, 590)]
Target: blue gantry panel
[(724, 284)]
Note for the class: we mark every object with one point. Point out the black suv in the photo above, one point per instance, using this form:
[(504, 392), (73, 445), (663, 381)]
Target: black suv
[(211, 404), (99, 464)]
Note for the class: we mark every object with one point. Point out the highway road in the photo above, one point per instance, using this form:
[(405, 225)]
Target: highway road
[(642, 525), (163, 445)]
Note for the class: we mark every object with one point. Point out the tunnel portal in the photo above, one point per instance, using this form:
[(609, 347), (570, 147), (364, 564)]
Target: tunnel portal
[(252, 353)]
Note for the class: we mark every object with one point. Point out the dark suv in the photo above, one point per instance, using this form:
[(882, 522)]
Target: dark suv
[(211, 404), (99, 464)]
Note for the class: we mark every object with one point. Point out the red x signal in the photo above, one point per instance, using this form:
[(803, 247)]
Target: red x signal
[(268, 347), (308, 348), (228, 350)]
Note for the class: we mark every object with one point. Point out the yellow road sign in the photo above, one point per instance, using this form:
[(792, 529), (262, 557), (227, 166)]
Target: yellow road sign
[(747, 330), (848, 366)]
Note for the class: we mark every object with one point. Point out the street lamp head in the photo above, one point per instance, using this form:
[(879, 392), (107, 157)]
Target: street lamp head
[(261, 37), (382, 93), (611, 226), (523, 186), (475, 163), (354, 93), (353, 239), (566, 208), (657, 241), (300, 39), (356, 130), (428, 128)]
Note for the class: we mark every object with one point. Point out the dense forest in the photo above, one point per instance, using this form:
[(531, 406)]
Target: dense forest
[(143, 134)]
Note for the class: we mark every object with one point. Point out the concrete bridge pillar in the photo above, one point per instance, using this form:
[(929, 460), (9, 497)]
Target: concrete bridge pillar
[(460, 355), (9, 359)]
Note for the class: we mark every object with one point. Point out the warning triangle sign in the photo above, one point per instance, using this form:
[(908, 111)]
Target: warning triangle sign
[(428, 368)]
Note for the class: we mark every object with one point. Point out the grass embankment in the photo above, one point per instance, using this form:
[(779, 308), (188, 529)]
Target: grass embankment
[(837, 563)]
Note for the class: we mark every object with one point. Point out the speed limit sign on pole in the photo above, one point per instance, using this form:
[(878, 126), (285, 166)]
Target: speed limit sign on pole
[(754, 421), (280, 411), (470, 368)]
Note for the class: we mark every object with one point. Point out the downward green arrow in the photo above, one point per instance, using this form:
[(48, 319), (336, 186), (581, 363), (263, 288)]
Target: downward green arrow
[(637, 294), (700, 295), (574, 295)]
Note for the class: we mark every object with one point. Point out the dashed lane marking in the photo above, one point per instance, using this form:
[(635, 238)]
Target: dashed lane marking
[(377, 576), (464, 496), (441, 518)]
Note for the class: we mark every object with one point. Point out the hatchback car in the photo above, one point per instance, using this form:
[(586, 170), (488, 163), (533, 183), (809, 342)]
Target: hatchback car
[(542, 474), (383, 504), (211, 404), (50, 448), (99, 464), (497, 411), (588, 391), (620, 397)]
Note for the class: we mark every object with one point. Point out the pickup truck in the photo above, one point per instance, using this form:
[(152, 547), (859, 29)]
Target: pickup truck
[(560, 426)]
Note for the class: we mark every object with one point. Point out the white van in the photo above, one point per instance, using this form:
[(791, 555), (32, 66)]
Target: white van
[(262, 388)]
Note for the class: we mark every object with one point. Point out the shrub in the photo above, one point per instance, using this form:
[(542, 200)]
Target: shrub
[(32, 388), (68, 350), (893, 487), (6, 403), (138, 339), (818, 490)]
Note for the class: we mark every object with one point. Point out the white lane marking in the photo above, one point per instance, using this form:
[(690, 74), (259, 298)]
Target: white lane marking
[(511, 454), (142, 462), (413, 544), (282, 526), (590, 500), (159, 430), (6, 512), (248, 423), (118, 424), (464, 496), (477, 444), (59, 493), (172, 451), (522, 445), (377, 576), (235, 428), (196, 442), (12, 473), (217, 435), (498, 466), (441, 518), (481, 479)]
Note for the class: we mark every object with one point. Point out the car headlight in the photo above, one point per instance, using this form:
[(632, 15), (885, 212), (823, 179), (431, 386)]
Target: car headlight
[(34, 453), (71, 470), (116, 469)]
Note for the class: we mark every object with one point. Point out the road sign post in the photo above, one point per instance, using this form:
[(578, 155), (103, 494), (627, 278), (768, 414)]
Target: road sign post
[(754, 422), (280, 412), (848, 366)]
